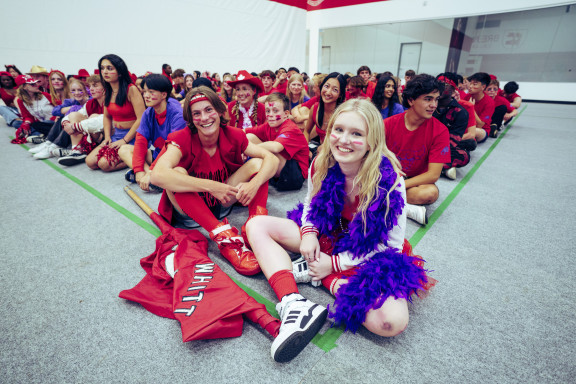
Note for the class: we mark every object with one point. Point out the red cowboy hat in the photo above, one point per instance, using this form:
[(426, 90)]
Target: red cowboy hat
[(245, 77), (82, 73), (25, 79)]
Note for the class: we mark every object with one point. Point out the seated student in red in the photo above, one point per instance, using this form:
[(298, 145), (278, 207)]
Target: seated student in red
[(369, 87), (246, 111), (268, 78), (468, 141), (354, 88), (162, 117), (509, 93), (123, 109), (408, 75), (503, 111), (301, 112), (483, 104), (203, 173), (332, 94), (282, 137), (420, 142), (455, 117)]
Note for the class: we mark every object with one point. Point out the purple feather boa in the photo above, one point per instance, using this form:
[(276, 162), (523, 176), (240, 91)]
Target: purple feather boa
[(385, 274), (327, 205)]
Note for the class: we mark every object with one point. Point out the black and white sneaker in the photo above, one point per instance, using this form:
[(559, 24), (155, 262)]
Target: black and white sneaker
[(36, 139), (301, 321), (73, 158), (300, 272)]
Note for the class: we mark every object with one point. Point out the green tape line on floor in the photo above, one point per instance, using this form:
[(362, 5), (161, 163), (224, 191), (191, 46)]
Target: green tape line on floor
[(415, 239)]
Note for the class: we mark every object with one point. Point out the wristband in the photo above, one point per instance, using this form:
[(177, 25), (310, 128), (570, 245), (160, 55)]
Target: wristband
[(307, 230)]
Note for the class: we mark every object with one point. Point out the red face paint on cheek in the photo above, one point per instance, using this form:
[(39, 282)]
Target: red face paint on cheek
[(357, 142), (278, 117), (332, 135)]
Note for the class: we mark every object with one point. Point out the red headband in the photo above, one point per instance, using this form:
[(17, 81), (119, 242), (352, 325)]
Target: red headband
[(198, 97), (447, 81)]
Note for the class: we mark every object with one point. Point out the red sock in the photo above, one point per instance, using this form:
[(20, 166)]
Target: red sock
[(195, 207), (283, 283), (259, 200), (265, 320)]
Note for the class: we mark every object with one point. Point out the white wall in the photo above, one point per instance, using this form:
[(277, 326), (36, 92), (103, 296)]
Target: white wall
[(399, 11), (215, 35)]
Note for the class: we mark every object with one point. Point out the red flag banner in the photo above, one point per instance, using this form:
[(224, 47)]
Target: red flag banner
[(314, 5)]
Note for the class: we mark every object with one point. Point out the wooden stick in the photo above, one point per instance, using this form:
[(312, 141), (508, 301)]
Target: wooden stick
[(149, 211)]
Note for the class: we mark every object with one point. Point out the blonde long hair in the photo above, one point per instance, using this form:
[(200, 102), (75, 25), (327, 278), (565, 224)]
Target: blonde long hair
[(293, 78), (369, 175)]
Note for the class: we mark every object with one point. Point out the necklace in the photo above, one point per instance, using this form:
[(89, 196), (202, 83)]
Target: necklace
[(342, 227)]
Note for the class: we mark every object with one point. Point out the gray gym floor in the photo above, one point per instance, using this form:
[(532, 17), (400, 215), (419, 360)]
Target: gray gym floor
[(500, 243)]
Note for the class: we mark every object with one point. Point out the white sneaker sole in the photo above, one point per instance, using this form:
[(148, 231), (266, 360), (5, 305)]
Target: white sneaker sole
[(287, 346)]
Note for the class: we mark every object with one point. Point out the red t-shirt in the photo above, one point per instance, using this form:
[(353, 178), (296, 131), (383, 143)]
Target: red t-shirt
[(282, 87), (501, 100), (232, 143), (370, 88), (430, 143), (292, 139), (6, 97), (469, 107), (260, 115), (484, 109), (272, 90), (510, 98), (308, 104), (93, 106)]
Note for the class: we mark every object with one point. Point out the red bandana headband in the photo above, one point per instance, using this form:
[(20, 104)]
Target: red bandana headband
[(447, 81), (198, 97)]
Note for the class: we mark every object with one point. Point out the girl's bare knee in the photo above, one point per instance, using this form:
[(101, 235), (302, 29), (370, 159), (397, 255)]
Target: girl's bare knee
[(389, 320)]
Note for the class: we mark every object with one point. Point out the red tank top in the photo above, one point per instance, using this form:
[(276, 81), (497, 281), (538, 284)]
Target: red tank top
[(124, 112)]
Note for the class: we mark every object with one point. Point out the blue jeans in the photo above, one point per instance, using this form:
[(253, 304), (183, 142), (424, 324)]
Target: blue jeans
[(10, 114)]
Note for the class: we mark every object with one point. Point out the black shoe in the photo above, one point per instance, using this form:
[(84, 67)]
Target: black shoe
[(38, 139), (130, 176), (72, 159)]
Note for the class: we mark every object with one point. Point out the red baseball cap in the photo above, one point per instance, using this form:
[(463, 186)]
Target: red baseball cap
[(25, 79)]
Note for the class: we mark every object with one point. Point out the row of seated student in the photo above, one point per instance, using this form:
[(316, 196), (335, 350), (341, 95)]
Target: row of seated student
[(71, 121), (217, 148)]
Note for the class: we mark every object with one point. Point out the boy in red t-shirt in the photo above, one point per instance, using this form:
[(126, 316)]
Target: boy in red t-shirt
[(282, 137), (483, 104), (420, 142), (268, 78), (203, 173), (364, 72), (503, 111)]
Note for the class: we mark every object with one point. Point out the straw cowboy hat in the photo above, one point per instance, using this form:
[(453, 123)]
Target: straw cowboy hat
[(38, 70)]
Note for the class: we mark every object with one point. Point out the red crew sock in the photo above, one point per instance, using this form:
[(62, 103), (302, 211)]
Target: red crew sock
[(265, 320), (259, 200), (195, 207), (283, 283)]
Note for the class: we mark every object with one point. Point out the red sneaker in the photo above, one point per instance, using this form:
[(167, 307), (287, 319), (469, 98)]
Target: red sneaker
[(260, 211), (233, 249)]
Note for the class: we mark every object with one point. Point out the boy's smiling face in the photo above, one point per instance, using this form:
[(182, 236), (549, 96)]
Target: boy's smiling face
[(275, 113)]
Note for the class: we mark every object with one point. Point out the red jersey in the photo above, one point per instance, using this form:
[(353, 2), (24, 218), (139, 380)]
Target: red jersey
[(430, 143), (292, 139), (232, 143), (510, 98)]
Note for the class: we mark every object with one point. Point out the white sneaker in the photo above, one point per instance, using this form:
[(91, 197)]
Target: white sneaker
[(417, 213), (451, 173), (40, 147), (46, 152), (301, 321), (300, 272)]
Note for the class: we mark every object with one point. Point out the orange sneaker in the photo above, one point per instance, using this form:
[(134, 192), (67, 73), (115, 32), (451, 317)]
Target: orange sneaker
[(260, 211), (232, 247)]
